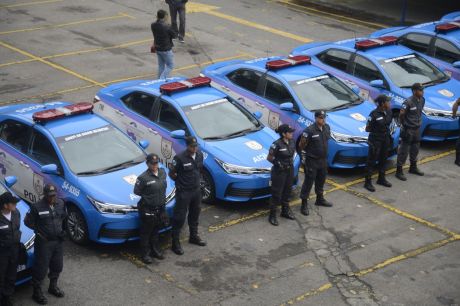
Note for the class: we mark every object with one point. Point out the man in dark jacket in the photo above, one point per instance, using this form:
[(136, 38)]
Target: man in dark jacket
[(163, 35), (177, 7), (10, 237)]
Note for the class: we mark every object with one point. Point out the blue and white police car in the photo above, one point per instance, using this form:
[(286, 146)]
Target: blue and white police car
[(439, 41), (234, 143), (381, 66), (93, 164), (27, 237), (290, 90)]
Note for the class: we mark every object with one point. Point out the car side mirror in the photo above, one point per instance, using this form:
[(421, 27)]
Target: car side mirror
[(50, 169), (144, 143), (288, 106), (10, 181), (258, 115), (456, 64), (377, 83), (178, 134), (356, 90)]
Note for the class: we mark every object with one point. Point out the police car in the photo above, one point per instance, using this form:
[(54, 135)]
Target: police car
[(439, 41), (27, 237), (93, 164), (290, 90), (233, 141), (380, 66)]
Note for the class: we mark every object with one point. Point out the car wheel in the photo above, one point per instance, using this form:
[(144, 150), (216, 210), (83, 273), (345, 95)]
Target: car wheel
[(208, 191), (76, 226)]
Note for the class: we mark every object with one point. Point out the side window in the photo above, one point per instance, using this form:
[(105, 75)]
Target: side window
[(16, 134), (42, 151), (276, 92), (365, 69), (169, 118), (446, 51), (336, 58), (417, 42), (139, 102), (248, 79)]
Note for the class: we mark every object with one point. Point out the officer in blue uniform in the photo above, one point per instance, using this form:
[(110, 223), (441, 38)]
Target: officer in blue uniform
[(281, 155), (314, 147), (379, 141), (186, 170), (10, 237), (457, 147), (151, 187), (46, 218)]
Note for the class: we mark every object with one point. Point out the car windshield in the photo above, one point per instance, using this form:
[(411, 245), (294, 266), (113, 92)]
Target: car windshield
[(324, 92), (409, 69), (99, 151), (220, 119)]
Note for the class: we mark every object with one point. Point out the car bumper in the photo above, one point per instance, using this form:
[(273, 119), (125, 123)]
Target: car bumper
[(439, 128)]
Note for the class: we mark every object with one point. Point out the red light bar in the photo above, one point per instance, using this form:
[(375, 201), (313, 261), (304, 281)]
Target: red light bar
[(60, 112), (446, 27), (170, 88), (288, 62), (376, 42)]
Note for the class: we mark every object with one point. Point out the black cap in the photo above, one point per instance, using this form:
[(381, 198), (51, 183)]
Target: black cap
[(284, 128), (320, 113), (7, 198), (417, 86), (191, 141), (152, 159), (49, 190), (381, 99)]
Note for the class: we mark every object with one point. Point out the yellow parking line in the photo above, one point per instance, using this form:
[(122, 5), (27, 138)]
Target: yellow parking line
[(308, 294), (55, 66), (29, 3), (53, 26)]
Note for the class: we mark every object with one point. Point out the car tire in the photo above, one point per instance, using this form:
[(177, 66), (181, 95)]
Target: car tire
[(76, 226), (208, 190)]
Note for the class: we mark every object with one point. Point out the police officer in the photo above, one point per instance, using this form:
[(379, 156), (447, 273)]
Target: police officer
[(46, 218), (314, 147), (151, 187), (10, 237), (457, 147), (281, 155), (379, 141), (185, 170), (410, 118)]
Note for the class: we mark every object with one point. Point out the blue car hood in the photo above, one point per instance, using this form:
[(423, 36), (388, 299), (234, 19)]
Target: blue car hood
[(351, 121), (439, 96), (27, 233), (116, 187), (249, 150)]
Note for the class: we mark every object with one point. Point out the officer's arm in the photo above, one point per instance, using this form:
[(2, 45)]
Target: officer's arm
[(30, 218), (303, 142), (455, 107), (173, 168), (271, 153), (402, 112), (139, 186), (368, 124)]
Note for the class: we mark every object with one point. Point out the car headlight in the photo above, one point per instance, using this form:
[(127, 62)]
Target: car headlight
[(234, 169), (171, 195), (436, 112), (107, 208), (30, 243), (347, 138)]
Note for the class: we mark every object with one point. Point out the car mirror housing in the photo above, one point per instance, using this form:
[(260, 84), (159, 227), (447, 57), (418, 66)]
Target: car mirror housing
[(178, 134), (377, 83), (144, 144), (50, 169), (10, 181), (288, 106)]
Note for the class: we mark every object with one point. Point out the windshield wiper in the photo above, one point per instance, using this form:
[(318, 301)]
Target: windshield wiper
[(93, 172), (121, 165), (213, 138), (243, 132), (341, 106), (438, 81)]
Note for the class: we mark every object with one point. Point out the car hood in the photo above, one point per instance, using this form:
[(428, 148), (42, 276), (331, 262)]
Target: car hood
[(439, 96), (351, 121), (117, 187), (249, 150)]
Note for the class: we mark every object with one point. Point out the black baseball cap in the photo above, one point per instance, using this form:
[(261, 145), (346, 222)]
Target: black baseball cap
[(49, 190), (417, 86), (191, 141), (284, 128), (7, 198), (320, 113), (381, 99), (152, 159)]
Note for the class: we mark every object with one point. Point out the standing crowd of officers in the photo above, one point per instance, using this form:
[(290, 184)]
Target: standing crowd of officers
[(47, 216)]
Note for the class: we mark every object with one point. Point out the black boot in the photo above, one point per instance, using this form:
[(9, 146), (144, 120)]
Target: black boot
[(272, 217), (382, 180), (400, 174), (321, 201), (457, 160), (415, 170), (156, 250), (286, 212), (195, 238), (147, 259), (38, 296), (6, 301), (176, 247), (54, 289), (304, 208), (368, 184)]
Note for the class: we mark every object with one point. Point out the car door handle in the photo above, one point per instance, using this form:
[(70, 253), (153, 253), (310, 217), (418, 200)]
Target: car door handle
[(225, 88), (24, 164), (153, 131), (260, 104), (119, 112)]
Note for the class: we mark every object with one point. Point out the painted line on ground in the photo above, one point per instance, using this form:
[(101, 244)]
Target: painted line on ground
[(28, 3), (307, 294)]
